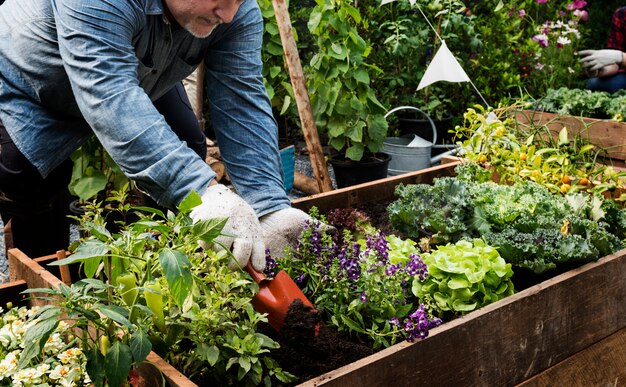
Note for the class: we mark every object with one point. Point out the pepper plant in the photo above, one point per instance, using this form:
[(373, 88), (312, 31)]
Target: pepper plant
[(563, 163), (149, 287)]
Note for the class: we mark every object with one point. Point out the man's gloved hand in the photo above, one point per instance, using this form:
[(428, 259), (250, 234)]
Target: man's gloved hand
[(220, 202), (282, 228), (596, 60)]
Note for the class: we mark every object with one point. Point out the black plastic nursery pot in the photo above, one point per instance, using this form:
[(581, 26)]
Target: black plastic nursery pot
[(370, 168)]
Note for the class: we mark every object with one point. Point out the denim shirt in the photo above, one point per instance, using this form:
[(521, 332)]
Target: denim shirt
[(70, 68)]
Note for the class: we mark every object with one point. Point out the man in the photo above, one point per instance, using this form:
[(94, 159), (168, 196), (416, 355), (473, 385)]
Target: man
[(73, 68), (607, 66)]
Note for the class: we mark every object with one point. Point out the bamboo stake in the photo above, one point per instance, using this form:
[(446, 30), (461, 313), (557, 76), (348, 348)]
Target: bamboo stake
[(311, 137)]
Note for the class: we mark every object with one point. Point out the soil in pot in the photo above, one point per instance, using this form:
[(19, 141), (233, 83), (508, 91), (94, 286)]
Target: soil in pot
[(369, 168), (309, 348), (115, 218)]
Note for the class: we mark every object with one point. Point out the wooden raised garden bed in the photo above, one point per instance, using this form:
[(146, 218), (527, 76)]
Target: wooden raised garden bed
[(26, 272), (570, 329), (607, 134)]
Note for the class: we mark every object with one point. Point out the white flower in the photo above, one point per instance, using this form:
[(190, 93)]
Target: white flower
[(71, 356), (54, 343), (8, 364), (65, 375), (27, 376), (563, 41), (60, 372)]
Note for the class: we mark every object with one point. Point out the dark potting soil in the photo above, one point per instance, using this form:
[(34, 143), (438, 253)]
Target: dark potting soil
[(309, 348)]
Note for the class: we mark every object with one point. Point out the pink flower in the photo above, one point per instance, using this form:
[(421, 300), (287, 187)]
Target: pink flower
[(539, 65), (581, 14), (542, 39), (577, 4), (521, 13), (542, 1)]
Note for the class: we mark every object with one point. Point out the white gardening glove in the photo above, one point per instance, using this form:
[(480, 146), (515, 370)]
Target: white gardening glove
[(282, 228), (220, 202), (596, 60)]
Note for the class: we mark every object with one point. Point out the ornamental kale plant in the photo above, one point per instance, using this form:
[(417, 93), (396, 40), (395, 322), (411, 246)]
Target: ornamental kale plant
[(586, 103), (532, 228), (463, 277), (363, 286)]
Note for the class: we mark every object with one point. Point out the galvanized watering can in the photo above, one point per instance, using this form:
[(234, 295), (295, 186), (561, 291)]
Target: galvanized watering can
[(411, 152)]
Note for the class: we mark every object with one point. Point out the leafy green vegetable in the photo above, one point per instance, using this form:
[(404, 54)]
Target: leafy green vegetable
[(463, 277), (532, 227)]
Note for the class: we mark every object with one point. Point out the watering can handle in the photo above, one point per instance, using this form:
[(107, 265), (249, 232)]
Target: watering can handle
[(432, 124)]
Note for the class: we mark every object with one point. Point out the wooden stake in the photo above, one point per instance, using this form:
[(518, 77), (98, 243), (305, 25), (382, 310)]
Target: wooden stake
[(311, 137)]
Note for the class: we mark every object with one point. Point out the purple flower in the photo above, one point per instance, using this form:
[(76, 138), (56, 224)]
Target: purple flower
[(542, 39), (379, 244), (270, 264), (542, 1), (351, 264), (416, 267), (392, 269), (521, 13), (394, 321), (419, 323), (363, 297)]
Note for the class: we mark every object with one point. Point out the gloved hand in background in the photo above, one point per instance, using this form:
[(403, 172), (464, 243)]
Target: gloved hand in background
[(596, 60), (220, 202), (282, 228)]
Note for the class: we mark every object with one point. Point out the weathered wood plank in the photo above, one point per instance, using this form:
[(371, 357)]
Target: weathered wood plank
[(607, 134), (10, 292), (371, 192), (508, 341), (602, 364), (22, 267)]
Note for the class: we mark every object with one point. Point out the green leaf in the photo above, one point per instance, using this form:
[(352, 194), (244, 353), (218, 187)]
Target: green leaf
[(95, 366), (35, 338), (314, 20), (355, 152), (352, 324), (362, 76), (209, 229), (355, 132), (115, 313), (117, 364), (190, 201), (377, 127), (210, 353), (140, 345), (177, 270), (91, 248)]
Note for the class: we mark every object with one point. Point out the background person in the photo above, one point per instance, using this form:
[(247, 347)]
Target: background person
[(607, 66)]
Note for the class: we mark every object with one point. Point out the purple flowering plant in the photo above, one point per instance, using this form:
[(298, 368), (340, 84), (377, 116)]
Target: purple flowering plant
[(362, 285), (555, 42)]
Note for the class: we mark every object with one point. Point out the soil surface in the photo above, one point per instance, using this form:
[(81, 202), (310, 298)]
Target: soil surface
[(309, 348)]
